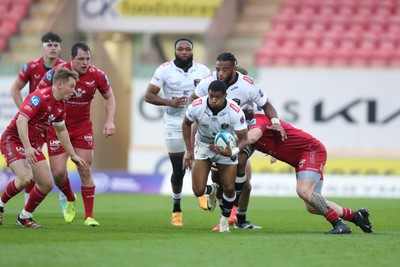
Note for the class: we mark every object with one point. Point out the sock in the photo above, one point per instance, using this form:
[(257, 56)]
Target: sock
[(348, 214), (228, 204), (25, 215), (10, 191), (67, 190), (88, 193), (331, 216), (177, 202), (29, 187), (35, 198), (241, 216)]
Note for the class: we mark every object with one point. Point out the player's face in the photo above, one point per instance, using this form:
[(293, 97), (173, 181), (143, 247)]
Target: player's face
[(225, 71), (184, 50), (52, 49), (67, 90), (216, 99), (81, 62)]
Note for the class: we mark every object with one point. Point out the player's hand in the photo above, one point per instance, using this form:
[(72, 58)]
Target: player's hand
[(108, 129), (179, 102), (188, 160), (79, 161), (277, 127), (30, 154), (226, 152), (272, 160)]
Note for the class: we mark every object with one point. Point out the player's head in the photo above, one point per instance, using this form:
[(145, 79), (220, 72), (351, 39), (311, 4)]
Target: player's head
[(64, 82), (248, 114), (80, 57), (226, 67), (51, 45), (183, 52), (217, 94)]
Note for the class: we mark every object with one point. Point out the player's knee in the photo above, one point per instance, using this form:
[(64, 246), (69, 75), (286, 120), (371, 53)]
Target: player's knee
[(302, 192)]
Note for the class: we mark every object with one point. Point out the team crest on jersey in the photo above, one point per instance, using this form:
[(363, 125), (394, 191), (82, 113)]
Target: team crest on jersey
[(92, 69), (79, 92), (224, 126), (196, 82), (237, 100), (242, 120)]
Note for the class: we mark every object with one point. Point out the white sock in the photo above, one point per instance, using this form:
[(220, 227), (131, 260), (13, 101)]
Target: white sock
[(25, 215)]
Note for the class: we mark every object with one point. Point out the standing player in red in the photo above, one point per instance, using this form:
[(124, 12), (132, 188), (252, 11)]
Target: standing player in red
[(308, 156), (22, 141), (80, 130), (33, 72)]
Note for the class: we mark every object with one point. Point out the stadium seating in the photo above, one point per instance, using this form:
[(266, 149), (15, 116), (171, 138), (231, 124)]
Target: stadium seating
[(352, 33), (12, 12)]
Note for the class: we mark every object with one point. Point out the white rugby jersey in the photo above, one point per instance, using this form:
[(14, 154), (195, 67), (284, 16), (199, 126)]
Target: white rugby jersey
[(230, 119), (176, 83), (244, 92)]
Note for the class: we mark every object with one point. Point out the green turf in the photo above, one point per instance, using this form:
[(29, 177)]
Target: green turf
[(135, 230)]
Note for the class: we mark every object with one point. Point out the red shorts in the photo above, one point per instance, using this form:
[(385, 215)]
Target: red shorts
[(13, 150), (312, 161), (80, 138)]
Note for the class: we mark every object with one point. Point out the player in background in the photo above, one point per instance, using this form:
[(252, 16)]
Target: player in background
[(245, 92), (32, 73), (308, 156), (22, 141), (79, 125), (213, 113), (178, 79)]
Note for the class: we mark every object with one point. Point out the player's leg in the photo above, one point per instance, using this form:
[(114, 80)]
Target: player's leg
[(23, 175), (227, 174), (58, 164), (309, 188), (43, 186), (88, 186)]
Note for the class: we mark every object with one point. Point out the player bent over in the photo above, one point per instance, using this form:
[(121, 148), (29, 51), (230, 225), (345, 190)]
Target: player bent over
[(308, 156), (22, 141)]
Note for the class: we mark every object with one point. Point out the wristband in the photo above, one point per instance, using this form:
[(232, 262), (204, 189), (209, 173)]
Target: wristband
[(275, 120), (235, 151)]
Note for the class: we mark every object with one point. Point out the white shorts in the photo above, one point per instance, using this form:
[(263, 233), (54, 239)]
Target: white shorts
[(201, 151)]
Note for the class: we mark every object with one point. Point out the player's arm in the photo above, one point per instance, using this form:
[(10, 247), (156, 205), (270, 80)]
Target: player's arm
[(187, 137), (254, 135), (192, 98), (109, 126), (16, 88), (243, 140), (151, 96), (63, 135), (23, 133), (270, 111)]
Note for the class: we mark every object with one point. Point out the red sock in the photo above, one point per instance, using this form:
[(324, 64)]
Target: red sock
[(88, 193), (67, 190), (29, 187), (10, 191), (348, 214), (331, 216), (35, 198)]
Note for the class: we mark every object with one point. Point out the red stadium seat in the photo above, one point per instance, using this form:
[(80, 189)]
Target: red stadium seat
[(3, 42)]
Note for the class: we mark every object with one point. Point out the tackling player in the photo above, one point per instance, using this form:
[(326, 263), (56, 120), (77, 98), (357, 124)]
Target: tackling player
[(308, 156)]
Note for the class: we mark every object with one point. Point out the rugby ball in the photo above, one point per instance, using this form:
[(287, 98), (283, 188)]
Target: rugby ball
[(223, 138)]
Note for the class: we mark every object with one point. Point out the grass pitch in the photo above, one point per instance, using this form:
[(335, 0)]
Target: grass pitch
[(135, 230)]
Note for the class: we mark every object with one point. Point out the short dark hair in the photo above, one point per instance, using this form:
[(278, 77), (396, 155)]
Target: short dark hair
[(63, 74), (218, 86), (51, 37), (183, 39), (226, 56), (77, 46)]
